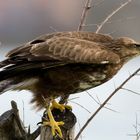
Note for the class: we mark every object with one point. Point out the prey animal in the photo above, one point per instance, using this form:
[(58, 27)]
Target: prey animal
[(59, 64)]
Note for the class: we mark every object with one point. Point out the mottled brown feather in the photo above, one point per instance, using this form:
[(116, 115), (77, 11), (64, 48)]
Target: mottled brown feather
[(83, 47), (75, 51), (90, 36), (60, 64)]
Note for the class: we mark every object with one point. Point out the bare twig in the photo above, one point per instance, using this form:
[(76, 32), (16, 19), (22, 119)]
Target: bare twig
[(53, 29), (99, 103), (131, 91), (104, 103), (23, 112), (98, 3), (93, 98), (120, 20), (110, 33), (84, 13), (109, 22), (70, 99), (137, 132), (81, 106), (80, 128), (111, 15), (89, 25), (136, 126)]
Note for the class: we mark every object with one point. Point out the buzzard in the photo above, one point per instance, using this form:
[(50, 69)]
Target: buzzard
[(59, 64)]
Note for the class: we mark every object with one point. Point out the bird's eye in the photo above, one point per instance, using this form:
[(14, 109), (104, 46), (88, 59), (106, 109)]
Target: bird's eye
[(137, 45), (37, 41)]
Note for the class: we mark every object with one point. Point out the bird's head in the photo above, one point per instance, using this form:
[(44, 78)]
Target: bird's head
[(127, 48)]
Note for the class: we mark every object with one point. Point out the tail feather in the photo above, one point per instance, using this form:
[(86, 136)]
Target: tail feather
[(13, 74), (4, 63), (6, 85)]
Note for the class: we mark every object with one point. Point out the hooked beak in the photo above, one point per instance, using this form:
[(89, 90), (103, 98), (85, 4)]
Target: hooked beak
[(137, 44)]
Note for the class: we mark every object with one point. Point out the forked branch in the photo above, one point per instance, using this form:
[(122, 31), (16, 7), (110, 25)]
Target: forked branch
[(104, 103), (111, 15)]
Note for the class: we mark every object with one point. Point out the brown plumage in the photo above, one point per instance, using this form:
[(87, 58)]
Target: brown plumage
[(60, 64)]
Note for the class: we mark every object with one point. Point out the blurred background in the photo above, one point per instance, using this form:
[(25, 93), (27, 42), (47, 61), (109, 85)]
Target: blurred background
[(22, 21)]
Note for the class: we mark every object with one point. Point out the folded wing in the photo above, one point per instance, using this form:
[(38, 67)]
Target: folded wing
[(71, 50), (66, 50)]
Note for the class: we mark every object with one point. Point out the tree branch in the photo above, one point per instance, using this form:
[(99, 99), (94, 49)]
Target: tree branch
[(12, 128), (84, 14), (111, 15), (104, 103)]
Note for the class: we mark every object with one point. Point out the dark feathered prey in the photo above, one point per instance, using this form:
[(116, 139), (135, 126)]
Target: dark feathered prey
[(60, 64)]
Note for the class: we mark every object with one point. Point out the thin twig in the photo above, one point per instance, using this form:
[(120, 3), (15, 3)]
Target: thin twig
[(23, 112), (93, 98), (84, 13), (120, 20), (80, 128), (111, 32), (53, 29), (136, 124), (109, 22), (137, 132), (104, 103), (131, 91), (70, 99), (81, 106), (99, 103), (89, 25), (98, 3), (111, 15)]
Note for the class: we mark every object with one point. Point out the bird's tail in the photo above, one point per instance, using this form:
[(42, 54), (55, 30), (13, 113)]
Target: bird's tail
[(7, 76), (5, 85), (4, 63), (12, 75)]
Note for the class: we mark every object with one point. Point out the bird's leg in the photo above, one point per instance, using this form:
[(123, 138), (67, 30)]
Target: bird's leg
[(59, 106), (55, 129), (64, 99), (55, 126)]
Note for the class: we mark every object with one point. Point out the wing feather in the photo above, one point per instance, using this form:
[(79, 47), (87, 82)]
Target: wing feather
[(75, 51), (67, 47), (89, 36)]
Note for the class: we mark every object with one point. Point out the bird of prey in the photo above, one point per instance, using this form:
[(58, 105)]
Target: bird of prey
[(59, 64)]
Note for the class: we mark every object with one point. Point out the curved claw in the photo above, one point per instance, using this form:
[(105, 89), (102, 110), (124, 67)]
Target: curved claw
[(55, 129)]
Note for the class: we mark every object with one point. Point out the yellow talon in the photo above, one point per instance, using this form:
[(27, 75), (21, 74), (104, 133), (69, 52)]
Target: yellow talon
[(53, 124), (55, 129), (61, 107)]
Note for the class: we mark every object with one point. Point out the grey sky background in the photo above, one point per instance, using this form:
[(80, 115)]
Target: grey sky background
[(21, 21)]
